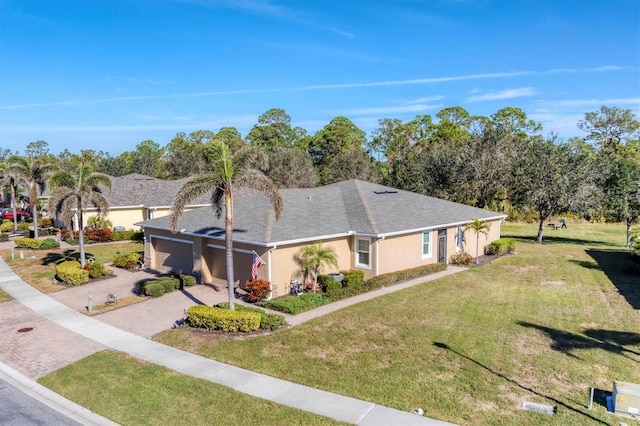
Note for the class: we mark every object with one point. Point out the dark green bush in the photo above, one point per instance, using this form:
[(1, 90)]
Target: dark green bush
[(49, 243), (353, 278), (328, 283), (153, 289), (501, 246), (295, 304), (213, 318), (169, 283), (4, 236), (268, 321), (187, 280), (461, 258)]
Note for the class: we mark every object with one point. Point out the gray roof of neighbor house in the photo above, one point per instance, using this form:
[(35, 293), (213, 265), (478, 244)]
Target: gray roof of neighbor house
[(343, 208)]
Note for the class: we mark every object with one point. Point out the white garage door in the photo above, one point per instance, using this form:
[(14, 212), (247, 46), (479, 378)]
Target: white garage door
[(172, 256)]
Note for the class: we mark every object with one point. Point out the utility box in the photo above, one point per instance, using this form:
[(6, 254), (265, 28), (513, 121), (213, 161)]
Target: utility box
[(626, 398)]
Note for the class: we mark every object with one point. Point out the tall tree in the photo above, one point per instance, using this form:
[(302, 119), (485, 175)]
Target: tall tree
[(183, 156), (478, 227), (609, 125), (314, 256), (77, 191), (546, 176), (147, 158), (291, 168), (33, 172), (274, 131), (228, 172)]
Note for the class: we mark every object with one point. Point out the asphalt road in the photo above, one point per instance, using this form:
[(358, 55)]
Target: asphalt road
[(19, 409)]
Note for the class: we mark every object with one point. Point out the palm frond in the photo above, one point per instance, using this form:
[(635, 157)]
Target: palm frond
[(191, 190)]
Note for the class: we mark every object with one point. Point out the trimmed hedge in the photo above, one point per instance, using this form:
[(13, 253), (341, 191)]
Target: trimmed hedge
[(70, 273), (353, 278), (501, 246), (30, 243), (162, 285), (213, 318), (295, 304), (49, 243), (97, 269), (268, 321), (257, 289), (6, 226), (328, 283)]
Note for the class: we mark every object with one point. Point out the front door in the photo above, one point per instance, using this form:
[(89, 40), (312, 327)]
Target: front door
[(442, 246)]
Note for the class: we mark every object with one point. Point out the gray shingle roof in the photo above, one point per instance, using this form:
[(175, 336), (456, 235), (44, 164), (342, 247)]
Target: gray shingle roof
[(351, 206)]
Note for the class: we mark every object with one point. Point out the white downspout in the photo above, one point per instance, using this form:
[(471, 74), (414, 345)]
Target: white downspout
[(377, 270), (269, 273)]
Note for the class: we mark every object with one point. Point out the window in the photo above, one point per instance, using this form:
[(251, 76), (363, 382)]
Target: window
[(363, 252), (426, 244), (459, 238)]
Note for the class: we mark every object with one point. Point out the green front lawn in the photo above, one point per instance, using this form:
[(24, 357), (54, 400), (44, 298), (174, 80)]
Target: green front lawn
[(543, 325)]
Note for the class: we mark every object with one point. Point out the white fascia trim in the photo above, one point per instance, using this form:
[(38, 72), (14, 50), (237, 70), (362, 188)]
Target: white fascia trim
[(178, 240), (304, 240), (117, 207), (444, 225), (238, 250)]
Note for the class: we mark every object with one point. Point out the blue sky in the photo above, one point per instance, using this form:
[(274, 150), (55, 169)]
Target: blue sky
[(106, 75)]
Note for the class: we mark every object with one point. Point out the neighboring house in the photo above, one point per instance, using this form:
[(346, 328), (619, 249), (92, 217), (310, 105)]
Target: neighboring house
[(134, 198), (372, 227)]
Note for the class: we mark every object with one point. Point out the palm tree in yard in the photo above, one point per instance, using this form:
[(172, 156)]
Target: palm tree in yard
[(315, 256), (227, 172), (33, 173), (479, 227), (78, 190), (10, 178)]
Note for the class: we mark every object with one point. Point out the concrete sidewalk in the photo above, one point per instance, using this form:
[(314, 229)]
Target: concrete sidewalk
[(70, 324)]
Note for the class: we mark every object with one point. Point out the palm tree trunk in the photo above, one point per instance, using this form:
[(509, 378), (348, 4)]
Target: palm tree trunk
[(13, 204), (83, 260), (228, 242), (35, 220), (477, 245)]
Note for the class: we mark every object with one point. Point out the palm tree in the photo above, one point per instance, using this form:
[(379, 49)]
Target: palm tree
[(479, 227), (78, 190), (10, 178), (33, 173), (314, 256), (228, 171)]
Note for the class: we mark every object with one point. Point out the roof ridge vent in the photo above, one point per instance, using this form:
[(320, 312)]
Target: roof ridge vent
[(386, 191)]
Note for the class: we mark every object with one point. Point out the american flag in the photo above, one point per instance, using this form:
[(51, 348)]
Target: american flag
[(257, 262)]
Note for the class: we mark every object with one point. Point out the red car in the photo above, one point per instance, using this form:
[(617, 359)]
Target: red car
[(8, 214)]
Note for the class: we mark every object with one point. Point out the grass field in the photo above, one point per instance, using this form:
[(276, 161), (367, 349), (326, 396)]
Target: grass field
[(543, 325)]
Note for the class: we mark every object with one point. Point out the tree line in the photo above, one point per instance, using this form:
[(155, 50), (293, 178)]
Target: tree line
[(502, 162)]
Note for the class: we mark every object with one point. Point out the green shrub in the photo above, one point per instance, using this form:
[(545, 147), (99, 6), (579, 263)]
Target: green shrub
[(128, 261), (407, 274), (30, 243), (328, 283), (268, 321), (353, 278), (187, 280), (49, 243), (97, 269), (295, 304), (122, 235), (70, 273), (213, 318), (4, 236), (6, 226), (501, 246), (635, 240), (461, 258), (138, 236), (23, 226), (101, 235), (153, 289)]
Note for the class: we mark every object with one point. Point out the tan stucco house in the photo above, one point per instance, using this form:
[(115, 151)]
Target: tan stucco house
[(374, 228), (135, 197)]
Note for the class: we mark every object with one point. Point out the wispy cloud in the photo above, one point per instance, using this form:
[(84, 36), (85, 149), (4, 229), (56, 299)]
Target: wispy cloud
[(592, 102), (390, 110), (313, 50), (335, 86), (503, 94), (135, 80), (270, 10)]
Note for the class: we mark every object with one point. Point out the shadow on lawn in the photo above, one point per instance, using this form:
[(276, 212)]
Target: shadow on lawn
[(608, 340), (550, 238), (69, 254), (508, 379), (622, 270)]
